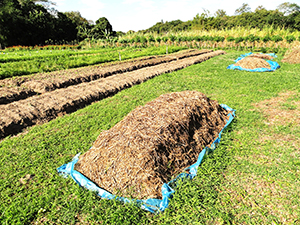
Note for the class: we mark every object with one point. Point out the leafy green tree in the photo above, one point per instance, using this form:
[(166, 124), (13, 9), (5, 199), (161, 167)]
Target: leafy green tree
[(260, 7), (220, 13), (102, 28)]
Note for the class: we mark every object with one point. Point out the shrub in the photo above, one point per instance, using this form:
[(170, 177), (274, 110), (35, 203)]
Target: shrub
[(230, 38), (276, 38), (143, 39), (137, 39), (266, 38), (165, 39), (219, 39), (158, 39), (290, 38), (178, 38), (238, 40), (172, 38), (252, 38), (151, 38)]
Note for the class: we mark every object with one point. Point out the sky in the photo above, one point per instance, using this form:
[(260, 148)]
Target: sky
[(125, 15)]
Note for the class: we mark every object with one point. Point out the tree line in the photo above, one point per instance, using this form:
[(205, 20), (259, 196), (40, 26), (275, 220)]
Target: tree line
[(287, 15), (36, 22), (32, 22)]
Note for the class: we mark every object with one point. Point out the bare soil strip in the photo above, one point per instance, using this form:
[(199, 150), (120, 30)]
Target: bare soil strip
[(14, 89), (37, 109)]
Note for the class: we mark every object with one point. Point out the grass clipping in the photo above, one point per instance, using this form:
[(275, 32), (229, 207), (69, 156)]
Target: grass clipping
[(292, 56), (252, 63), (152, 144)]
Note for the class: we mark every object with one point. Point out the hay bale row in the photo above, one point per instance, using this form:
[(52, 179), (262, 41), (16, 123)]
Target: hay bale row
[(41, 108), (252, 63), (152, 144)]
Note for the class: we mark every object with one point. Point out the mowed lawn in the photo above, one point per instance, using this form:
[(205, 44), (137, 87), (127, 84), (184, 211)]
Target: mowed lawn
[(251, 178)]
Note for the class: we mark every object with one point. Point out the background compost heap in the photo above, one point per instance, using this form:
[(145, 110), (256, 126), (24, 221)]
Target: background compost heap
[(152, 144), (253, 62), (292, 56)]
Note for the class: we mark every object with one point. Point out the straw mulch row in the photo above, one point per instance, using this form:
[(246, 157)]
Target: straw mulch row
[(152, 144), (13, 89), (252, 63), (292, 56), (42, 108)]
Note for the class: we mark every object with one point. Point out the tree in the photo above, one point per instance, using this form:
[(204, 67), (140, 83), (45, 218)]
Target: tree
[(102, 28), (243, 9), (76, 18), (206, 13), (260, 7), (288, 8), (220, 13)]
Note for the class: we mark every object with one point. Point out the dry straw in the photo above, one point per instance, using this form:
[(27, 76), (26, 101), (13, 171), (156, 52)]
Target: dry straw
[(261, 56), (292, 56), (252, 63), (152, 144)]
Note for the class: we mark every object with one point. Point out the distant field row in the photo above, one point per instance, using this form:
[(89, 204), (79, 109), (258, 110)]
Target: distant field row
[(21, 62)]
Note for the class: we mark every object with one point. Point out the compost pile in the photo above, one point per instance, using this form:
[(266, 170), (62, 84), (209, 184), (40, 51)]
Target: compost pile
[(153, 144), (292, 57), (252, 63), (261, 56)]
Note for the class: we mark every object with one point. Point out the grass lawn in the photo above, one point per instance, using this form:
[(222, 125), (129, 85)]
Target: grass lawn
[(251, 178)]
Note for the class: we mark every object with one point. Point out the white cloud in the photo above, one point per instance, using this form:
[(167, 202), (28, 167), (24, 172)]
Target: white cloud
[(60, 2), (92, 9)]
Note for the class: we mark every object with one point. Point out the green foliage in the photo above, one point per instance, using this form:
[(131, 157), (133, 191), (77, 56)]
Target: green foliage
[(276, 38), (137, 39), (290, 38), (230, 38), (165, 39), (151, 38), (18, 63), (252, 38), (172, 38), (175, 25), (102, 28), (219, 39), (28, 23), (238, 40), (158, 39), (266, 38)]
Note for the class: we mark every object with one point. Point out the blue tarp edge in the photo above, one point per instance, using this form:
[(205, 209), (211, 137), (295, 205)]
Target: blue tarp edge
[(151, 205), (274, 65)]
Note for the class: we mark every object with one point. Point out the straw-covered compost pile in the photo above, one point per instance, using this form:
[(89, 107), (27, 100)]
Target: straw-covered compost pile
[(292, 56), (261, 56), (252, 63), (152, 144)]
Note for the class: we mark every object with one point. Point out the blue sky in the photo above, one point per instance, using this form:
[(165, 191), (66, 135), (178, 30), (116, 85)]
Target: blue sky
[(137, 15)]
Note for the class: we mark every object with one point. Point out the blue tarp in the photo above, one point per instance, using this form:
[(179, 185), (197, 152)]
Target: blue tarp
[(274, 65), (152, 205)]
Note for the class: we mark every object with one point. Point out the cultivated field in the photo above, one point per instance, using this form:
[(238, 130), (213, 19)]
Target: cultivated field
[(37, 99), (251, 178)]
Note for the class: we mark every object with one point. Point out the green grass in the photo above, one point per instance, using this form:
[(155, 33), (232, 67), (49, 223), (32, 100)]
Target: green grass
[(249, 179), (20, 63)]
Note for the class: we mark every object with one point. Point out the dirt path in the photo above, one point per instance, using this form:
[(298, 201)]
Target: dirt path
[(27, 101)]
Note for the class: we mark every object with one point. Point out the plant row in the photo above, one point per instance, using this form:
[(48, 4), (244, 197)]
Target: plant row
[(173, 38), (49, 63)]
